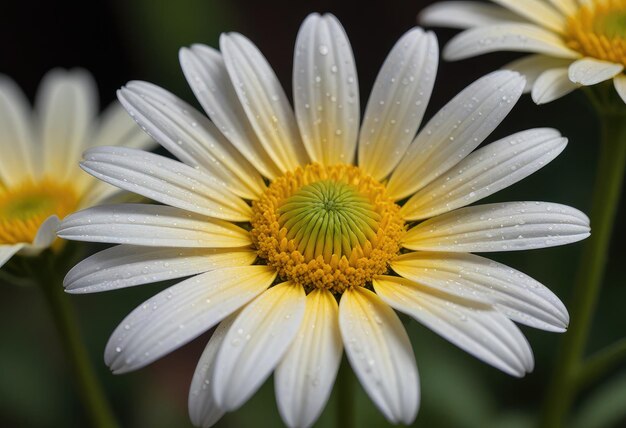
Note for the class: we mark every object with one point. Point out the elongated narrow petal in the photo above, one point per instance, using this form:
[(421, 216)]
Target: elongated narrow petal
[(264, 101), (129, 265), (566, 7), (8, 251), (46, 234), (18, 160), (151, 225), (620, 86), (399, 98), (67, 104), (532, 66), (483, 332), (464, 14), (326, 91), (508, 226), (552, 84), (485, 172), (182, 312), (502, 37), (190, 136), (117, 128), (208, 78), (516, 295), (536, 11), (589, 71), (256, 342), (305, 376), (457, 129), (380, 353), (203, 410), (165, 180)]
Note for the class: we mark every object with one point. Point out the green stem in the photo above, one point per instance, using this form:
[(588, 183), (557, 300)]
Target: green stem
[(90, 390), (345, 397), (602, 362), (607, 189)]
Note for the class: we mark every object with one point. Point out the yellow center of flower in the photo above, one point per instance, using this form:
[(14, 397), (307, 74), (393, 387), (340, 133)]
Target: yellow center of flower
[(327, 227), (25, 207), (598, 30)]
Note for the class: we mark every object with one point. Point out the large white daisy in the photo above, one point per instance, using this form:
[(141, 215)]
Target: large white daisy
[(40, 181), (574, 42), (296, 250)]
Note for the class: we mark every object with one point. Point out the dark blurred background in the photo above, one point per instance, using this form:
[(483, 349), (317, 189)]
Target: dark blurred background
[(120, 41)]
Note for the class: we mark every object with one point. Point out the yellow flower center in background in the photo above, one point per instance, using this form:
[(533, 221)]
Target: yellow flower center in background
[(25, 207), (327, 227), (598, 30)]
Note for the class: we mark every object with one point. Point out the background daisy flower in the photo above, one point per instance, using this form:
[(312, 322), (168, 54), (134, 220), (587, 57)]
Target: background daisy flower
[(40, 181), (574, 42), (295, 249)]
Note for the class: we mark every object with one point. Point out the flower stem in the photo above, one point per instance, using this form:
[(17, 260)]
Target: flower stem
[(90, 390), (345, 397), (607, 189)]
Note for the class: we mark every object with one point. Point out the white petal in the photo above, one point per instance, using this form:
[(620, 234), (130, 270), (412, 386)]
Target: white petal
[(567, 7), (67, 103), (380, 354), (46, 234), (128, 265), (516, 295), (620, 86), (485, 172), (457, 129), (117, 128), (326, 91), (477, 329), (264, 101), (151, 225), (8, 251), (531, 67), (255, 343), (165, 180), (203, 410), (190, 136), (508, 226), (464, 14), (17, 162), (206, 74), (589, 71), (181, 313), (304, 378), (396, 106), (506, 37), (552, 84), (536, 11)]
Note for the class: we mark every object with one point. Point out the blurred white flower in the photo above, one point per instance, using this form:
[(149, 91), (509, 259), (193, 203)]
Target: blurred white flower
[(574, 42), (40, 180)]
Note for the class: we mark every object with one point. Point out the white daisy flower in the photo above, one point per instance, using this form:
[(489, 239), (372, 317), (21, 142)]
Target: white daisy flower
[(574, 42), (40, 181), (296, 250)]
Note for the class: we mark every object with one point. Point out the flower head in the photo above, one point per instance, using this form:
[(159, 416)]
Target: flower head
[(295, 250), (40, 182), (574, 43)]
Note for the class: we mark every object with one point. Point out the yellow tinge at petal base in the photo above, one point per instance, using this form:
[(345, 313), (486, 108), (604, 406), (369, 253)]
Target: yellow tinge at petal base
[(25, 207)]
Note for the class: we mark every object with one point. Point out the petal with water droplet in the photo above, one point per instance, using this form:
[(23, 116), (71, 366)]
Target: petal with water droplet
[(181, 313), (475, 328), (255, 343), (380, 354), (305, 376)]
